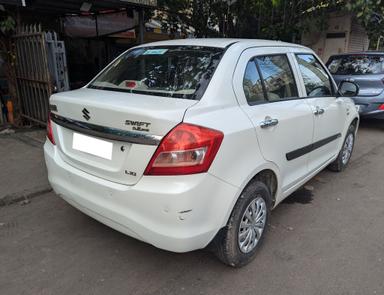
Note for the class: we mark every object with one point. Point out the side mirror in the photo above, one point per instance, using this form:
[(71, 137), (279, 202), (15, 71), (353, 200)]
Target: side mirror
[(348, 88)]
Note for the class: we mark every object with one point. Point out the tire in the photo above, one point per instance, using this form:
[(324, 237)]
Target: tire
[(227, 244), (341, 163)]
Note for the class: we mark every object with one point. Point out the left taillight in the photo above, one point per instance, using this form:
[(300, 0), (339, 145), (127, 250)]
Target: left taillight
[(49, 130), (186, 149)]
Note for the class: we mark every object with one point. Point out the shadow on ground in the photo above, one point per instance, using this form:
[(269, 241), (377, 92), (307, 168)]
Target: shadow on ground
[(301, 196), (372, 124)]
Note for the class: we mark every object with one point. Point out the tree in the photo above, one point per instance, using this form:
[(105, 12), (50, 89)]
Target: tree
[(180, 15), (7, 28), (370, 13), (270, 19)]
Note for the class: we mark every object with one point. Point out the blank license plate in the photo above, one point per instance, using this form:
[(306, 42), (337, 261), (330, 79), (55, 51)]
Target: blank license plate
[(93, 146)]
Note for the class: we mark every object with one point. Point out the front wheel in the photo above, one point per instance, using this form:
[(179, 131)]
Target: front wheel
[(345, 154), (237, 243)]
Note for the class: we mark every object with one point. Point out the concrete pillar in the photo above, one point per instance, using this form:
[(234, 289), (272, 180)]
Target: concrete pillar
[(141, 26)]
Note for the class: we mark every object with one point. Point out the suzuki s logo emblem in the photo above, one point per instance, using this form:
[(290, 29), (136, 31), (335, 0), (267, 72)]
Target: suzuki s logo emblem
[(86, 114)]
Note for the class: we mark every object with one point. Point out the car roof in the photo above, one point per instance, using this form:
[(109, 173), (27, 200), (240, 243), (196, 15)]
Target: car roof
[(221, 43), (359, 53)]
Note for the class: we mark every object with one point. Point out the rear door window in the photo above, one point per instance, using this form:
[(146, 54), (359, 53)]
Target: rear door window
[(359, 64), (171, 71), (277, 76), (252, 84), (269, 78), (316, 80)]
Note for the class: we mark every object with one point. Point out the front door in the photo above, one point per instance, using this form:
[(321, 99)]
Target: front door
[(266, 88), (329, 112)]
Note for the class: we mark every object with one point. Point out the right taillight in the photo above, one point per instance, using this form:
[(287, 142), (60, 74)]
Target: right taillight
[(49, 130), (186, 149)]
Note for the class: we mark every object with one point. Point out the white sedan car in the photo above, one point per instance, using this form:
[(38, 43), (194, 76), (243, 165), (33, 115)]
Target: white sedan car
[(189, 143)]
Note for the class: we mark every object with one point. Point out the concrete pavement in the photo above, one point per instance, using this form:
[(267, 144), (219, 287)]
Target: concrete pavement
[(326, 241), (22, 169)]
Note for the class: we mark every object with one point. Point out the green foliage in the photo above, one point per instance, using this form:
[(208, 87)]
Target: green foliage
[(7, 28), (272, 19), (180, 15), (7, 24), (370, 13)]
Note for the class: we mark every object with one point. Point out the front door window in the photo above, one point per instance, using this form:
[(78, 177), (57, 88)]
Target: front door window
[(316, 80)]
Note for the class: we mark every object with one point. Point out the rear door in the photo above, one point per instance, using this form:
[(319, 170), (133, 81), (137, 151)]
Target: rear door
[(266, 87), (370, 85), (366, 70), (329, 112)]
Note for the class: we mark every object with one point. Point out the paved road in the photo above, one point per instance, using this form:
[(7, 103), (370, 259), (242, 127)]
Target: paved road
[(22, 167), (328, 241)]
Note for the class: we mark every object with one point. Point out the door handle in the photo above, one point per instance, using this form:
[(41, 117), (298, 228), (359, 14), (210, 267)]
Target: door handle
[(269, 122), (319, 111)]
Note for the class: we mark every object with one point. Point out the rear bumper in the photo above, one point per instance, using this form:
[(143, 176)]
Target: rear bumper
[(175, 213), (369, 108), (378, 114)]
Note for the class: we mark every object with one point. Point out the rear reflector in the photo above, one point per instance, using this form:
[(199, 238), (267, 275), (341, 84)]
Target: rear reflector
[(186, 149), (49, 130), (381, 107), (130, 84)]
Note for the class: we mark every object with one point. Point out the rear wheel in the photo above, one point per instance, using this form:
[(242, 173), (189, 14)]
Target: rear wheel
[(345, 154), (236, 244)]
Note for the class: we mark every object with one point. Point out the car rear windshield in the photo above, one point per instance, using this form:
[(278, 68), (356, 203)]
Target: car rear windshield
[(356, 64), (172, 71)]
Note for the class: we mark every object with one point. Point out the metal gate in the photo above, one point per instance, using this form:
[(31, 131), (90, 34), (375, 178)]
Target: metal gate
[(40, 70)]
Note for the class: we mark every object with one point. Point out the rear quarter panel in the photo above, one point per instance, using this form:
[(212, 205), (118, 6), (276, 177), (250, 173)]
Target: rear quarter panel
[(239, 158), (239, 155)]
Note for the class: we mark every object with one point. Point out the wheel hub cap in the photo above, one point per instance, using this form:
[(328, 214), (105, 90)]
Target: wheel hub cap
[(347, 149), (252, 225)]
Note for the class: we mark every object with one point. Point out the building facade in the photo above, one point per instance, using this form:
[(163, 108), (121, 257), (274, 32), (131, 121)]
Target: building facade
[(344, 34)]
